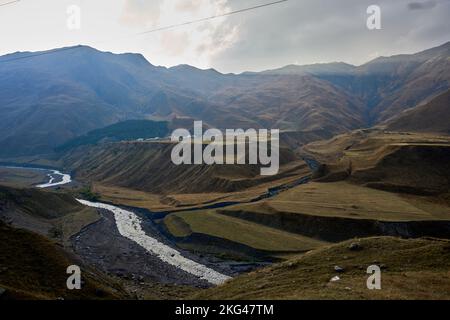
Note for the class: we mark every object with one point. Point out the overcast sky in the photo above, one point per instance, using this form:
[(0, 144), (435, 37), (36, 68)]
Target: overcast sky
[(293, 32)]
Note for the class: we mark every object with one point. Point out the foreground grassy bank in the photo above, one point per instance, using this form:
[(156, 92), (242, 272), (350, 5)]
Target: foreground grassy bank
[(33, 267), (410, 269)]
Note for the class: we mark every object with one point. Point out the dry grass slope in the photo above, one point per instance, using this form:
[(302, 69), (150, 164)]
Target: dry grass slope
[(21, 178), (51, 214), (432, 117), (32, 267), (411, 269), (148, 167), (347, 201), (400, 162)]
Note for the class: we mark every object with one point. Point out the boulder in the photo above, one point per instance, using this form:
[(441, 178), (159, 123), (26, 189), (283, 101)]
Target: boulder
[(355, 246), (334, 279), (338, 269)]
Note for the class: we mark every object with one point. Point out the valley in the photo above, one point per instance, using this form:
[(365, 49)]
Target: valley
[(88, 179), (241, 231)]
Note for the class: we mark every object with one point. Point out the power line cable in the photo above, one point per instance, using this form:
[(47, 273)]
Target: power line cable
[(8, 3), (149, 31), (212, 17)]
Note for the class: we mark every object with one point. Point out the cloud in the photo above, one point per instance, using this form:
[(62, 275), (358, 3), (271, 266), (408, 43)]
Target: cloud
[(302, 32), (141, 13), (422, 5), (311, 31), (194, 44)]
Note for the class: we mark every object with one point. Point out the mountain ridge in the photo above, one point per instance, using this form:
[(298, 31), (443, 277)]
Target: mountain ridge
[(52, 98), (431, 116)]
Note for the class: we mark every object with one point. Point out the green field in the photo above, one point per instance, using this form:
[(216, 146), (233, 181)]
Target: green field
[(251, 234), (343, 199)]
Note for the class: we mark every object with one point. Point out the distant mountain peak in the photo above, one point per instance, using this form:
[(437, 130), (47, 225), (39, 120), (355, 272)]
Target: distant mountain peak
[(76, 49), (315, 69), (59, 94), (189, 68)]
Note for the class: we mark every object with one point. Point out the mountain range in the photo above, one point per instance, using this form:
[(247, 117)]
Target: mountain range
[(49, 98), (364, 168)]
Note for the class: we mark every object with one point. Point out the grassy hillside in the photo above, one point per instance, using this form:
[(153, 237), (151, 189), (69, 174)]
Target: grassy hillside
[(400, 162), (69, 93), (411, 269), (431, 117), (373, 183), (32, 267), (147, 166), (298, 219), (21, 178), (48, 205), (37, 244), (55, 215)]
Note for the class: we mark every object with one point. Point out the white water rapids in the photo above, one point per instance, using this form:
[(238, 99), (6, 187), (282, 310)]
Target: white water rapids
[(129, 226)]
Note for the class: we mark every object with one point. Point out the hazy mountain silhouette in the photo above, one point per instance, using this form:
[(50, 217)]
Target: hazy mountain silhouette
[(51, 98)]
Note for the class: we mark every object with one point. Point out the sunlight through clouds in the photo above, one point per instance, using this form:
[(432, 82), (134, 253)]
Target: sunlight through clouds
[(304, 32), (194, 44)]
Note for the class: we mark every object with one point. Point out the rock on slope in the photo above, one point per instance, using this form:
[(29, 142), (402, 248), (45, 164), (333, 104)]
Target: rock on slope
[(411, 269)]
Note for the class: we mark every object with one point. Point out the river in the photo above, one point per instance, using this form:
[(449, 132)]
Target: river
[(55, 177), (129, 226), (65, 179)]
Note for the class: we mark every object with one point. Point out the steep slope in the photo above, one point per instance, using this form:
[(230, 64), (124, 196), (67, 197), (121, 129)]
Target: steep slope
[(387, 85), (400, 162), (54, 215), (32, 267), (56, 96), (413, 168), (53, 97), (35, 231), (147, 166), (409, 80), (432, 117), (48, 205), (294, 102), (291, 102)]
